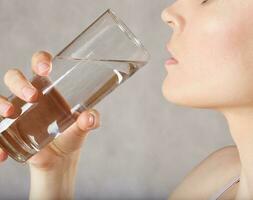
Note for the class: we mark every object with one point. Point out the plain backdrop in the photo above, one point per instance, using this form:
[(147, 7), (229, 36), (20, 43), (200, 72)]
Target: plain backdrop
[(145, 145)]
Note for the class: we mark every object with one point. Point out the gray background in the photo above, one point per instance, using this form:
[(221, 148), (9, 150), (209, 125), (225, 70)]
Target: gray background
[(145, 145)]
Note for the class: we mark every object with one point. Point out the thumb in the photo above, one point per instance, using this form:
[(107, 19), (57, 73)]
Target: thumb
[(72, 138)]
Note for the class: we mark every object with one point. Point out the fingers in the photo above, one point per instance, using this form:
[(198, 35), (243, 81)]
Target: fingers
[(6, 108), (41, 63), (20, 86), (72, 139), (88, 120), (3, 155)]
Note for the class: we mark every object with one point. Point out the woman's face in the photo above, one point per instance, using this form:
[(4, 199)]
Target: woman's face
[(213, 43)]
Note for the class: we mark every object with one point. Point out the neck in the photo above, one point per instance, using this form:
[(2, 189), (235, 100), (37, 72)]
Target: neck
[(240, 122)]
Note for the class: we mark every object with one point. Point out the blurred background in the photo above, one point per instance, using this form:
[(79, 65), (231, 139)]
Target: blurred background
[(145, 145)]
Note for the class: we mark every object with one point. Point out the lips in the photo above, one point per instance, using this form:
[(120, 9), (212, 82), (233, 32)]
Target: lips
[(172, 60)]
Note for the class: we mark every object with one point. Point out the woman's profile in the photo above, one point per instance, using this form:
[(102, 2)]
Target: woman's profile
[(211, 68), (212, 43)]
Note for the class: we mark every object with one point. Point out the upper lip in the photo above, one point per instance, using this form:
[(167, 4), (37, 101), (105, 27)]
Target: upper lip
[(171, 52)]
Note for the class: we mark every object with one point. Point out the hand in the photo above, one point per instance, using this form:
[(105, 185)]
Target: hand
[(66, 147)]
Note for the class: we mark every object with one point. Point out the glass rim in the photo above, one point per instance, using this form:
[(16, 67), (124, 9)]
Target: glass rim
[(126, 30)]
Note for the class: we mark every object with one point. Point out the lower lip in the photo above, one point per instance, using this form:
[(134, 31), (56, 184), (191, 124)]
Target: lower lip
[(170, 62)]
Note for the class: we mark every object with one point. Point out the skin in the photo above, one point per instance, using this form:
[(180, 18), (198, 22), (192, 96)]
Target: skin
[(212, 41), (54, 168)]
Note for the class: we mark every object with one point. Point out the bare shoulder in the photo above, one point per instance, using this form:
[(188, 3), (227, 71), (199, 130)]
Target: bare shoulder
[(209, 175)]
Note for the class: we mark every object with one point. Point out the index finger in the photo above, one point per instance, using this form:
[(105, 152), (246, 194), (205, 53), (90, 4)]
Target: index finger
[(42, 63)]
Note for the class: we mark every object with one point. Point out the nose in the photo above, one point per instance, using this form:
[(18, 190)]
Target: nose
[(173, 18)]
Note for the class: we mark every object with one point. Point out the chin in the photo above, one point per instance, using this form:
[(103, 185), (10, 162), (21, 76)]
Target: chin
[(187, 99)]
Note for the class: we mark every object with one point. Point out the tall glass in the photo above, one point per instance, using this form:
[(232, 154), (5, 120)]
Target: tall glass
[(97, 61)]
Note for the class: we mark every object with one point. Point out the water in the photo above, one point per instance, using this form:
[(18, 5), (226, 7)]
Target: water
[(82, 84)]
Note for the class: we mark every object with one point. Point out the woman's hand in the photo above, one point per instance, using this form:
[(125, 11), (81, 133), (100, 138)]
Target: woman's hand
[(55, 165), (67, 145)]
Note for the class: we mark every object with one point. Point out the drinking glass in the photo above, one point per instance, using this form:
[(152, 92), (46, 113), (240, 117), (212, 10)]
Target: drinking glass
[(96, 62)]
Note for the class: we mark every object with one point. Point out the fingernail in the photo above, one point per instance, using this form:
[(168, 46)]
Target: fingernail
[(4, 108), (43, 67), (28, 92), (91, 120)]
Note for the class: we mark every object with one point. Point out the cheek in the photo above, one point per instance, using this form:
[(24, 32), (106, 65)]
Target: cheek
[(216, 65), (228, 58)]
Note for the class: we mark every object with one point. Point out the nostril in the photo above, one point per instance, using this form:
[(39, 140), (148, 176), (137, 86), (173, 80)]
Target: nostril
[(170, 23)]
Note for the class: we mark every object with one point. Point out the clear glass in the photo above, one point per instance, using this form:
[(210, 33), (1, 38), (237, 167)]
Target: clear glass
[(97, 61)]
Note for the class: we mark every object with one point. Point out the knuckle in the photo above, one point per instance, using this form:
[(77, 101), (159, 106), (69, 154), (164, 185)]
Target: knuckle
[(57, 150)]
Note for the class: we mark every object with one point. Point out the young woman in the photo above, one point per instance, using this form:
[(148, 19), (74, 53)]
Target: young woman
[(212, 67)]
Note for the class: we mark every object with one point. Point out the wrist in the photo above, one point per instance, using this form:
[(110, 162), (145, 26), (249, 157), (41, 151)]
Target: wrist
[(58, 180)]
